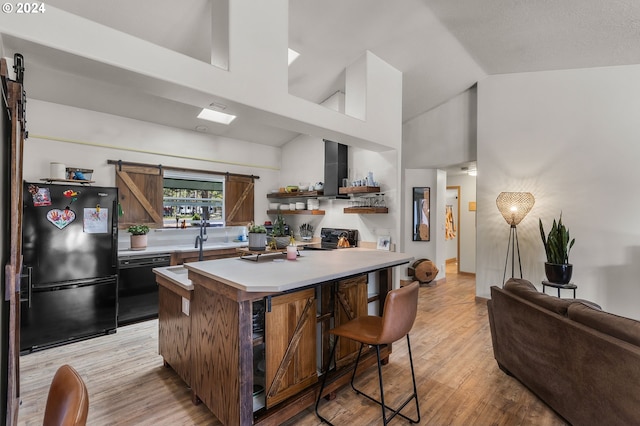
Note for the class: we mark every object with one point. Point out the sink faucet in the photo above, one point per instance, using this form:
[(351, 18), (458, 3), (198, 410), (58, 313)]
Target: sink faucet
[(200, 239)]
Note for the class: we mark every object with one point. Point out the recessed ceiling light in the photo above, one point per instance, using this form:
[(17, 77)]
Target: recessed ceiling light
[(293, 55), (216, 116)]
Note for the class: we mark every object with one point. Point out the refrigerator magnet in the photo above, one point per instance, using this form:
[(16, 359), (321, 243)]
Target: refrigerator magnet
[(70, 193), (61, 218), (40, 196)]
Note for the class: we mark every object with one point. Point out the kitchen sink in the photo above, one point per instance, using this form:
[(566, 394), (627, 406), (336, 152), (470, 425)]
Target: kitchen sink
[(178, 270)]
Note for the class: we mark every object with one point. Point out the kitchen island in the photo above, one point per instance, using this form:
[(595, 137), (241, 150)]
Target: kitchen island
[(257, 332)]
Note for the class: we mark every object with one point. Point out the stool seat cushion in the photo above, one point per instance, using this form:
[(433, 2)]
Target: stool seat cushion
[(365, 329)]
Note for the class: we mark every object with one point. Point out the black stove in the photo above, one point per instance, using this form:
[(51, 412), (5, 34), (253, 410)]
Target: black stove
[(329, 237)]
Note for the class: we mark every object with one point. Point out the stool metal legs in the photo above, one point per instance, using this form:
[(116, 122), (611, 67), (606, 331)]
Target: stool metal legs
[(382, 404)]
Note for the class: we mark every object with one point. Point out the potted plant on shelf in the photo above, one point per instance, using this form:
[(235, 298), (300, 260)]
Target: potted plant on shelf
[(557, 246), (138, 236), (279, 233), (257, 237)]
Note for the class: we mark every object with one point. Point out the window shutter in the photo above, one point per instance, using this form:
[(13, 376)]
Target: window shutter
[(238, 197), (140, 193)]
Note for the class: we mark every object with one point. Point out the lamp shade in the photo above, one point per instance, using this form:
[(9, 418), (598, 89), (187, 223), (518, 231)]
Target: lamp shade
[(514, 206)]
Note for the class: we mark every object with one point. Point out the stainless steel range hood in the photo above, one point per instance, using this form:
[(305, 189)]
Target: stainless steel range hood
[(336, 167)]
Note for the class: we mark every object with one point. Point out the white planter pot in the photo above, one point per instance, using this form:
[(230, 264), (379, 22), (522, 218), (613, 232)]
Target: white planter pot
[(257, 241), (138, 242)]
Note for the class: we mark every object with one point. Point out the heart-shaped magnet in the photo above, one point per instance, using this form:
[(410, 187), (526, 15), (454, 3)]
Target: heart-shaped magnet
[(61, 218)]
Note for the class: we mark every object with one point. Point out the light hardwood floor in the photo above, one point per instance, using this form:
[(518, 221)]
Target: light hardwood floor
[(459, 382)]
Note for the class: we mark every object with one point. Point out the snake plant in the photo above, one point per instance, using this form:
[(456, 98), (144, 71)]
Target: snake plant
[(558, 243)]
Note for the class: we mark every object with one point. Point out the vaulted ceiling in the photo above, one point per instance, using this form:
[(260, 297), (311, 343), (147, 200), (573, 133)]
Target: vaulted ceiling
[(441, 46)]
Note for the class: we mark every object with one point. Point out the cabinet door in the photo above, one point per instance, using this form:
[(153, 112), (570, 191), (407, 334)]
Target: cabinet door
[(350, 302), (290, 345)]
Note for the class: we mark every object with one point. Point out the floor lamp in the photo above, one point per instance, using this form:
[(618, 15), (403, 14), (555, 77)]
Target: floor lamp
[(514, 206)]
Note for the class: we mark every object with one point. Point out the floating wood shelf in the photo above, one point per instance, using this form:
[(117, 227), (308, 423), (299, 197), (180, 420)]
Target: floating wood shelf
[(297, 194), (358, 189), (310, 212), (66, 180), (366, 210)]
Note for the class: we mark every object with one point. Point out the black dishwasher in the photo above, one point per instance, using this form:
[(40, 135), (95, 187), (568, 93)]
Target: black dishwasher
[(137, 288)]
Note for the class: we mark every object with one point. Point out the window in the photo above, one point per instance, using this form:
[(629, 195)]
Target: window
[(156, 196), (189, 197)]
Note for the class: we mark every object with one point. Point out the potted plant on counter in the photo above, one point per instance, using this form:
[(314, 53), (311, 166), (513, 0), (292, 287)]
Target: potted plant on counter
[(257, 237), (557, 246), (138, 236), (279, 234)]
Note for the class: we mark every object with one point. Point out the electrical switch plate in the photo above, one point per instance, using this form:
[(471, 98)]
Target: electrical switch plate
[(185, 306)]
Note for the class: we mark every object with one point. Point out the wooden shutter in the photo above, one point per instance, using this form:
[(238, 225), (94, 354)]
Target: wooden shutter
[(140, 190), (238, 200)]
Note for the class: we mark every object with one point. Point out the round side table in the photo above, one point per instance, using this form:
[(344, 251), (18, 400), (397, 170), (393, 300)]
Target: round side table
[(569, 286)]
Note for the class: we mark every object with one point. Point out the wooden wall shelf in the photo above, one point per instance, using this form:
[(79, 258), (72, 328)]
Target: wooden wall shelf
[(366, 210), (297, 194), (290, 212), (358, 189), (66, 180)]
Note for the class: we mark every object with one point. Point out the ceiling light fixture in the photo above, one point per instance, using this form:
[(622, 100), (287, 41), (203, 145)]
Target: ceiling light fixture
[(216, 116), (293, 55), (472, 172)]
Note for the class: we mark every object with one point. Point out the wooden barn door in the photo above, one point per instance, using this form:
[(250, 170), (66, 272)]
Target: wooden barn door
[(238, 200), (140, 189)]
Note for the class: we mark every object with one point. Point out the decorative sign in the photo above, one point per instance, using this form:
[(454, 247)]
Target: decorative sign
[(384, 242), (61, 218), (96, 220)]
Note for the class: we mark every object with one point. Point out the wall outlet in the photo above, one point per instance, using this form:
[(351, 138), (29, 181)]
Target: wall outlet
[(185, 306)]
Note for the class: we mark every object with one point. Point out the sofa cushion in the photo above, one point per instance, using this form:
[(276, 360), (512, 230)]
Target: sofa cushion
[(524, 289), (619, 327)]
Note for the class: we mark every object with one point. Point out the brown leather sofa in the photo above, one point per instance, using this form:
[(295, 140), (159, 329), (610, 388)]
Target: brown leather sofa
[(581, 361)]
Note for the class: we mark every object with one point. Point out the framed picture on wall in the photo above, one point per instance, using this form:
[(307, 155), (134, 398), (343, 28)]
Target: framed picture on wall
[(421, 218)]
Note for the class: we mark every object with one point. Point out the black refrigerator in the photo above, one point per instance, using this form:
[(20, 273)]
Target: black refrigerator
[(69, 282)]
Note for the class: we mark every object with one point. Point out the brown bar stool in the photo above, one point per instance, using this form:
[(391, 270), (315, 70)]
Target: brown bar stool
[(68, 399), (398, 316)]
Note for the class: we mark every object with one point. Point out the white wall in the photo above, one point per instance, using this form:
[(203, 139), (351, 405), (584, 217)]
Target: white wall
[(434, 249), (571, 138), (443, 136), (467, 229), (303, 161), (87, 139), (256, 85)]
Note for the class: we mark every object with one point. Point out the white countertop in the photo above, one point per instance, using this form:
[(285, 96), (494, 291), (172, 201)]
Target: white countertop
[(311, 267), (181, 248)]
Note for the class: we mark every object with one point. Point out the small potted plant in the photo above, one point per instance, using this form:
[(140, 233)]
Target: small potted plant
[(279, 234), (138, 236), (557, 246), (257, 237)]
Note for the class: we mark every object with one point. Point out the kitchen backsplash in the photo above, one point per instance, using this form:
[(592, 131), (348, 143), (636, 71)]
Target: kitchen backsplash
[(170, 236)]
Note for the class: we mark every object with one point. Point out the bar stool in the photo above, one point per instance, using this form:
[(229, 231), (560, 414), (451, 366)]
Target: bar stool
[(398, 316)]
